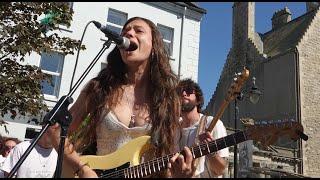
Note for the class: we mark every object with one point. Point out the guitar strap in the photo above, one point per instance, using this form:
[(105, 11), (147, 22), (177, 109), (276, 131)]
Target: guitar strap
[(201, 129)]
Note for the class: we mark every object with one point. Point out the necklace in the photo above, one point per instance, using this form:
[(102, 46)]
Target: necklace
[(131, 104)]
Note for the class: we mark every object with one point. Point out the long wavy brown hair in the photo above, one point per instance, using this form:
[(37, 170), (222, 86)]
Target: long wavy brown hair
[(105, 89)]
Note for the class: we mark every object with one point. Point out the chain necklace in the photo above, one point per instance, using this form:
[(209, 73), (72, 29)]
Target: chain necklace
[(131, 104)]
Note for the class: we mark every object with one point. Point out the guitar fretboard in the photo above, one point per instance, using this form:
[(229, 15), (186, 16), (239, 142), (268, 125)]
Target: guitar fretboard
[(159, 164)]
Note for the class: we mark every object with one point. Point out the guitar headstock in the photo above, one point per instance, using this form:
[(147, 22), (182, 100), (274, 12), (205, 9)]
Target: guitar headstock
[(268, 132), (237, 83)]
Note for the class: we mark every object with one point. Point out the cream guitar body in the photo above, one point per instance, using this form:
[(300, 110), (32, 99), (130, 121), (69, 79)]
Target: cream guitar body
[(126, 156)]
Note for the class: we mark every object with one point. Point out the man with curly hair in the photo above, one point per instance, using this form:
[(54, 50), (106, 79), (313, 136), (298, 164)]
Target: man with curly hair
[(194, 123)]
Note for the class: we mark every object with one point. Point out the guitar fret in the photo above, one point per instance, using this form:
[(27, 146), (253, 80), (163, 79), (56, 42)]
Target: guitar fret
[(158, 165), (162, 161), (154, 168), (134, 173), (149, 168), (125, 173), (141, 171), (225, 144), (208, 148), (234, 139), (200, 150), (145, 169), (192, 150), (215, 142)]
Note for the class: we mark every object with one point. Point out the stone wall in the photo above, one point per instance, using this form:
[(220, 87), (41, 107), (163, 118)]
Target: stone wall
[(309, 68)]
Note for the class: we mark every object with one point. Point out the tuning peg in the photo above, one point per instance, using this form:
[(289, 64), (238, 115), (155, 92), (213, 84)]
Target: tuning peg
[(302, 135), (235, 79)]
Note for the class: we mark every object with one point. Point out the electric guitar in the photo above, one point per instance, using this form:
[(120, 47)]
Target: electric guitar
[(232, 93), (124, 163)]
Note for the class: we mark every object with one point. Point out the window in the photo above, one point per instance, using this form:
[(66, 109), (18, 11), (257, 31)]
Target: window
[(167, 35), (52, 63), (116, 20)]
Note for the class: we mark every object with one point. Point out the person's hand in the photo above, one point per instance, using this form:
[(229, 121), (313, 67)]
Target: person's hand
[(180, 166), (87, 172), (206, 137)]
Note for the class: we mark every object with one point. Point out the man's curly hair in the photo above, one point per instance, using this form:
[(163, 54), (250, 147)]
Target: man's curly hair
[(198, 92)]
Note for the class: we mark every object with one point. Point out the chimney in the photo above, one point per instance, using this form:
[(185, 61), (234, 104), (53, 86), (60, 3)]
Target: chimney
[(281, 17), (243, 20), (312, 6)]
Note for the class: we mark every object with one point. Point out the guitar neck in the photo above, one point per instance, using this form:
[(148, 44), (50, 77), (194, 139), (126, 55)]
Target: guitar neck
[(159, 164), (218, 115)]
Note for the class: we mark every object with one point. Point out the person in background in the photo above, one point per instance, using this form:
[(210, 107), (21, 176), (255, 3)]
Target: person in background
[(40, 163), (7, 144), (194, 123)]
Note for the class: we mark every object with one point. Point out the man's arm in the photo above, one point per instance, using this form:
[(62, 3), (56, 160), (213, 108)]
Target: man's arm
[(216, 164)]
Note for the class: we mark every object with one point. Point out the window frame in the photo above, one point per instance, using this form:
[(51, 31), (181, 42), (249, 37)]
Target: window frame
[(165, 40), (113, 24), (56, 90)]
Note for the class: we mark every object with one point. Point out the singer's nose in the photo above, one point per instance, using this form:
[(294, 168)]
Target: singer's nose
[(129, 33)]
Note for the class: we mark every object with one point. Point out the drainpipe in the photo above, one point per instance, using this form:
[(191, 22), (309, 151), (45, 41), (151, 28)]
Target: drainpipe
[(181, 40), (300, 152)]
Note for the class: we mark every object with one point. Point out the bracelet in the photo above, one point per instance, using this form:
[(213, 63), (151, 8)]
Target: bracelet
[(79, 169)]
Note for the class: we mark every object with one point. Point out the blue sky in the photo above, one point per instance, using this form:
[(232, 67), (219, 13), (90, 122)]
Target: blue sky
[(216, 36)]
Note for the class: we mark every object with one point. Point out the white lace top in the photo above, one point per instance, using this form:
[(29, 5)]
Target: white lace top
[(112, 134)]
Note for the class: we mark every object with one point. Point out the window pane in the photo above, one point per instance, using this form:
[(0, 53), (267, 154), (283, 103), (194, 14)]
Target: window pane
[(116, 17), (51, 88), (168, 47), (51, 62), (166, 32), (167, 35), (114, 29)]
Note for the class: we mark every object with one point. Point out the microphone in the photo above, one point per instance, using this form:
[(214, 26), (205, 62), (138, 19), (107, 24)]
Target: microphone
[(122, 42)]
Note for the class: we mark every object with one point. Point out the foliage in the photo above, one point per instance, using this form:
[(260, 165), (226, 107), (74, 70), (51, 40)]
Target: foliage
[(23, 32)]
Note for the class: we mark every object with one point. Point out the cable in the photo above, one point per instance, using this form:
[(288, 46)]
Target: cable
[(78, 52)]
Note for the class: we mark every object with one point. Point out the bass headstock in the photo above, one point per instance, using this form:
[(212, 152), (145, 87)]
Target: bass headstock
[(268, 132), (236, 85)]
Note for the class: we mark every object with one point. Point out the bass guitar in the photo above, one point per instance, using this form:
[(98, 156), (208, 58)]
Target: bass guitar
[(125, 162)]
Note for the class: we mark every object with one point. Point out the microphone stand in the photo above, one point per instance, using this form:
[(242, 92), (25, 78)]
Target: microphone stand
[(61, 115)]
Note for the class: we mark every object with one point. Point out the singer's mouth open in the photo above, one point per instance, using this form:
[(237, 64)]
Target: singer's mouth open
[(132, 47)]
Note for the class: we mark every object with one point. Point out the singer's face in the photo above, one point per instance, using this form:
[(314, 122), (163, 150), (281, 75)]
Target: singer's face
[(137, 32)]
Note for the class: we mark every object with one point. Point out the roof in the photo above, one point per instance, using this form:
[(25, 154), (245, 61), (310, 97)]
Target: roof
[(286, 37), (192, 5)]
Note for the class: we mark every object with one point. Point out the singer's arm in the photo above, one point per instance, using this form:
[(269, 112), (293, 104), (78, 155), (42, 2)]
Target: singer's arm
[(71, 157)]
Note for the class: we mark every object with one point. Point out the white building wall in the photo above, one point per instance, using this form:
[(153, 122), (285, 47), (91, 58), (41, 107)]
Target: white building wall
[(168, 14)]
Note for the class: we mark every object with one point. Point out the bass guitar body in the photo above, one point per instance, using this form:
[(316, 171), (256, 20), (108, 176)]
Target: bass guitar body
[(126, 156)]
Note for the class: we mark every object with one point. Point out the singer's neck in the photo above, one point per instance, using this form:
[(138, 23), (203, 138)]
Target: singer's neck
[(139, 75)]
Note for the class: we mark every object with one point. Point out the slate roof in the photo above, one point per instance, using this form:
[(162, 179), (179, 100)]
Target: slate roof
[(286, 37)]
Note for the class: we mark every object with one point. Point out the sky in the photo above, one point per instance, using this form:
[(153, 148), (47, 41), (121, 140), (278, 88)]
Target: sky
[(216, 36)]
